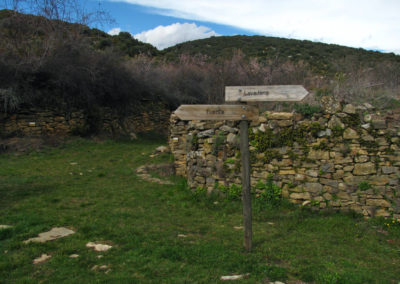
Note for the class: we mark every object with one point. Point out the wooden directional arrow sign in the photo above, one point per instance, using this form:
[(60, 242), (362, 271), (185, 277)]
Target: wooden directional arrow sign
[(282, 93), (217, 112)]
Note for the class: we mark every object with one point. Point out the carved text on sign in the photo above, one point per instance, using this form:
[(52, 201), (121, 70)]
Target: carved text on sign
[(215, 111), (254, 93)]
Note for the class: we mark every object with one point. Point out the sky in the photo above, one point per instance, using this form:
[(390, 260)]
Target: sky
[(369, 24)]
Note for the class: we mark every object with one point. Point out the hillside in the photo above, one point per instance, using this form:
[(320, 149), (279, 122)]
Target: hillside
[(16, 25), (322, 57), (55, 64)]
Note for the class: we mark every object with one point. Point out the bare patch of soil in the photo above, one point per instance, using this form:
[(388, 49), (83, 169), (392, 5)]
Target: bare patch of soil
[(20, 145)]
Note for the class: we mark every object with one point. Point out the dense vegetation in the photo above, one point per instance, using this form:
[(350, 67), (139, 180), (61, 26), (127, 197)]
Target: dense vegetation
[(321, 57), (50, 63)]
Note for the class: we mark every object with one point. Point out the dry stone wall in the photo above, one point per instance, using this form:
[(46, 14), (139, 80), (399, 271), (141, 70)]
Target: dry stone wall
[(34, 122), (344, 158)]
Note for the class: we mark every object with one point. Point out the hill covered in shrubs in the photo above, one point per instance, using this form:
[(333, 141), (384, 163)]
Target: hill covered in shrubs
[(321, 57), (51, 63)]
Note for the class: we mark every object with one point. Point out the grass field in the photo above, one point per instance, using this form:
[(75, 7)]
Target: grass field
[(165, 233)]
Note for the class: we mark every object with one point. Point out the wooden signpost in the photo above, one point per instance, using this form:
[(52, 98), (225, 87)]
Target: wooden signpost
[(277, 93), (244, 113)]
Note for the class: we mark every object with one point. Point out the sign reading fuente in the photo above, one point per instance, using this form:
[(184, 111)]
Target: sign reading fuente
[(282, 93), (217, 112)]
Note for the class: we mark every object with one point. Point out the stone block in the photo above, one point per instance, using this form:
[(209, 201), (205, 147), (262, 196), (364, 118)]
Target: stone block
[(206, 133), (378, 202), (349, 109), (338, 174), (287, 172), (344, 195), (328, 167), (318, 155), (389, 170), (350, 133), (313, 187), (327, 196), (302, 196), (364, 169), (379, 180), (361, 159), (312, 173), (348, 168), (343, 160), (331, 183), (280, 115), (335, 122), (382, 213), (284, 123)]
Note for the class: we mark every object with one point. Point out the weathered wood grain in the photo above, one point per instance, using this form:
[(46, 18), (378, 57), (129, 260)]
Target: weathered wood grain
[(217, 112), (246, 194), (273, 93)]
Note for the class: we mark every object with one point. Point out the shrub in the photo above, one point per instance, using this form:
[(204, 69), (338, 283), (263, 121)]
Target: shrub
[(270, 192), (307, 110)]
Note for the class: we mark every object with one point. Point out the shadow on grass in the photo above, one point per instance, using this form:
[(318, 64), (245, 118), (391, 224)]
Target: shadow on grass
[(11, 194)]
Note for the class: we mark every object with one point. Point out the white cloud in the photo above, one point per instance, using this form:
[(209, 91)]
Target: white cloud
[(166, 36), (357, 23), (114, 31)]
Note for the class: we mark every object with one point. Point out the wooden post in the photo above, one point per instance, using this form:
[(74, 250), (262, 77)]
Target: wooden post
[(246, 195)]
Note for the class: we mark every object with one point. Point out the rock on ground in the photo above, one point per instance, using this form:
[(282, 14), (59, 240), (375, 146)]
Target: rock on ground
[(44, 257), (3, 227), (53, 234), (98, 247), (234, 277)]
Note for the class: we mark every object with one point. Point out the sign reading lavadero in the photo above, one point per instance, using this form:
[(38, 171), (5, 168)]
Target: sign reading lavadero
[(217, 112), (283, 93)]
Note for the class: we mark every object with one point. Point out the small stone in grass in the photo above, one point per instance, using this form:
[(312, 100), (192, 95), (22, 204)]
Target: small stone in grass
[(100, 256), (44, 257), (53, 234), (3, 227), (238, 227), (182, 236), (234, 277), (98, 247), (74, 255)]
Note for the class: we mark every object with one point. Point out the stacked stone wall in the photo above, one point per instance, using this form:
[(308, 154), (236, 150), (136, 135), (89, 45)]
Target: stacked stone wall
[(344, 158), (36, 122)]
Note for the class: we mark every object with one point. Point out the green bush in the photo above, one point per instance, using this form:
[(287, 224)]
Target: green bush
[(271, 193), (307, 110), (364, 185)]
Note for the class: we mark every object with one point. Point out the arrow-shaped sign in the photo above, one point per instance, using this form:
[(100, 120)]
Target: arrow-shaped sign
[(282, 93), (217, 112)]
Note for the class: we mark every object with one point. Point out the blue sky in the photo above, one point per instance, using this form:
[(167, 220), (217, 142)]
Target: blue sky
[(136, 19), (369, 24)]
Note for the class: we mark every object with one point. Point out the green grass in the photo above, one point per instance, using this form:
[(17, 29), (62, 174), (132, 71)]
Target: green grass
[(103, 200)]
